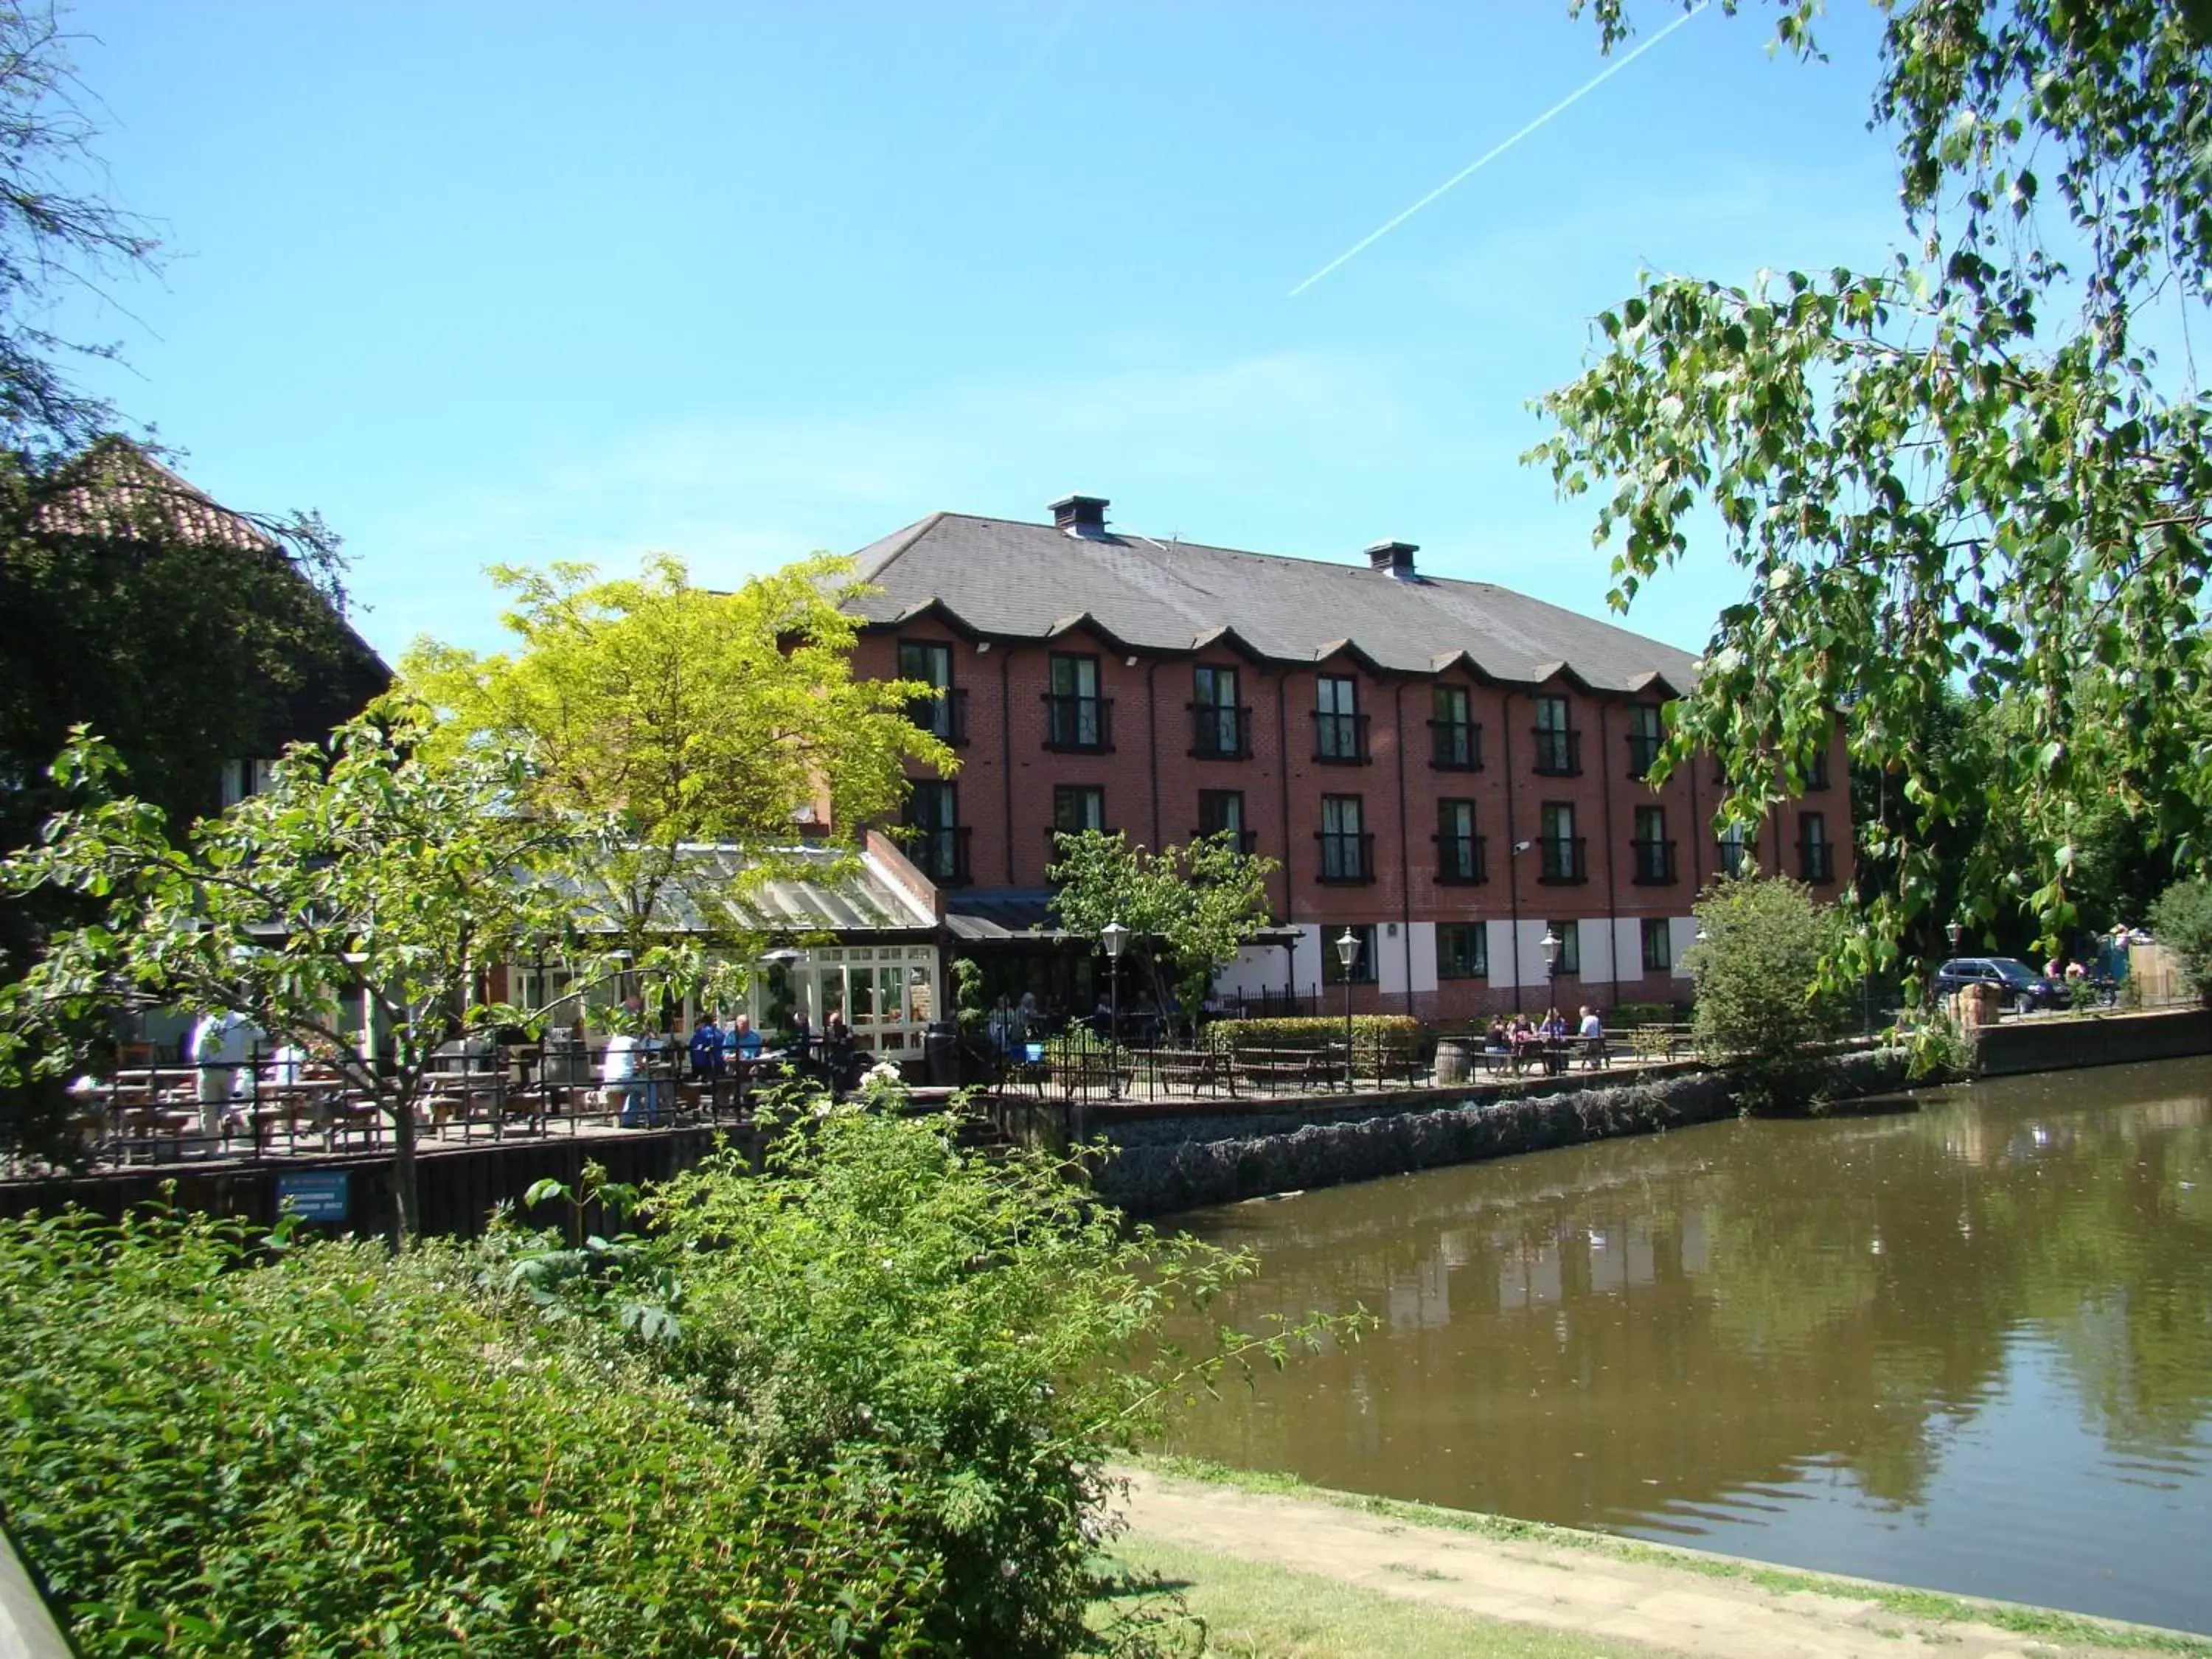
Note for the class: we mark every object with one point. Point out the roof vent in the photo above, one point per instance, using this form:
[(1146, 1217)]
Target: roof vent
[(1081, 516), (1396, 558)]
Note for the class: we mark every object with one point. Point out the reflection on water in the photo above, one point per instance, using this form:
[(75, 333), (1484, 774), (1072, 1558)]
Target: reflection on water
[(1968, 1346)]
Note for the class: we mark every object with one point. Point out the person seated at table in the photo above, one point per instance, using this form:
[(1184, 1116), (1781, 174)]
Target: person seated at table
[(706, 1047), (1102, 1019), (741, 1041), (1004, 1025), (1495, 1041), (1524, 1038), (1555, 1025)]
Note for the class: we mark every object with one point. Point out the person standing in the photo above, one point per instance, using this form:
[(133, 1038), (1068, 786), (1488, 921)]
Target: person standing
[(620, 1064), (706, 1048), (222, 1045)]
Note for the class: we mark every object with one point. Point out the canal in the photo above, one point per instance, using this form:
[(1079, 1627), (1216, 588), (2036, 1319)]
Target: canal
[(1964, 1344)]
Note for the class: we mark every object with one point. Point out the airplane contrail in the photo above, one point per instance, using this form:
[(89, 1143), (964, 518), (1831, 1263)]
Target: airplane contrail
[(1492, 154)]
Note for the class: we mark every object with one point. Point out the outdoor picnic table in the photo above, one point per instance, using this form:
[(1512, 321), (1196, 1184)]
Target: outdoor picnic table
[(1194, 1068), (1300, 1066)]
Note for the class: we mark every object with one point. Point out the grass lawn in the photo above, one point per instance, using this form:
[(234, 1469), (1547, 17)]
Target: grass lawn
[(1251, 1610)]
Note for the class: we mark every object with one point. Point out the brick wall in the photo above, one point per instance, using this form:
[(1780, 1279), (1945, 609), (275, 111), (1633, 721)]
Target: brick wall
[(1152, 777)]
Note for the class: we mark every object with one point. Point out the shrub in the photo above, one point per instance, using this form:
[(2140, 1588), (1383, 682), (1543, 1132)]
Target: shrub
[(1761, 1009), (1629, 1015), (967, 1334), (2182, 921), (1398, 1034), (338, 1452)]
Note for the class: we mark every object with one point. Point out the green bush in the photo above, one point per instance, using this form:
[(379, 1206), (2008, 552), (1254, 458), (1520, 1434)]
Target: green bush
[(2182, 921), (1629, 1015), (340, 1452), (967, 1332), (1397, 1034), (1761, 1010)]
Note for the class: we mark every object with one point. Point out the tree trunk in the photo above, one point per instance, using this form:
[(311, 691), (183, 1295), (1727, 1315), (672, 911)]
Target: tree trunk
[(407, 1207)]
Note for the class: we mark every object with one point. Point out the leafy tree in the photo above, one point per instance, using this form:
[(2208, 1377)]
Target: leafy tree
[(1761, 1007), (366, 867), (186, 634), (1963, 466), (1188, 910), (54, 239), (685, 716), (2182, 921)]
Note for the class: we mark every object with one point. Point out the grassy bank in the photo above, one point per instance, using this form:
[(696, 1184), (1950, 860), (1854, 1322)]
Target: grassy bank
[(2044, 1624), (1244, 1610)]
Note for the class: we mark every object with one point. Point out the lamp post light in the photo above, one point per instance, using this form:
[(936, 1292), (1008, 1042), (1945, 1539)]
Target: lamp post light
[(1955, 930), (1347, 953), (1115, 938), (1552, 945)]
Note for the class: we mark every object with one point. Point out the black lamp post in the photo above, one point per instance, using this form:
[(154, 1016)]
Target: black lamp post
[(1347, 953), (1955, 930), (1552, 945), (1115, 938)]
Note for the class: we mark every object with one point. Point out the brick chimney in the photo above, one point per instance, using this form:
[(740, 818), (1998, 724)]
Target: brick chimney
[(1396, 558), (1081, 516)]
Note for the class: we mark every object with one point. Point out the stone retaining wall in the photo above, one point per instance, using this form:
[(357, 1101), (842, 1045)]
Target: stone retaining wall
[(2049, 1043), (1189, 1161)]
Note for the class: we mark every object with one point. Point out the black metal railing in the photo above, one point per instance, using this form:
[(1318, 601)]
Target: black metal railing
[(1455, 746), (945, 716), (1461, 861), (1340, 739), (941, 855), (1643, 755), (1816, 862), (1347, 856), (1078, 725), (1248, 841), (1559, 753), (1651, 863), (1563, 859), (1220, 731)]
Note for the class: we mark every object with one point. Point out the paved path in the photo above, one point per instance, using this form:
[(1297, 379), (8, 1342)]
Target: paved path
[(1593, 1591)]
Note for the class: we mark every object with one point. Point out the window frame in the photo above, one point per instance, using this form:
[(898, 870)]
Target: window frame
[(1660, 961), (1476, 957)]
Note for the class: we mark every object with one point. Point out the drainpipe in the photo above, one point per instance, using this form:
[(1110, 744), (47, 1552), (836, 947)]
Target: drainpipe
[(1699, 829), (1512, 869), (1611, 885), (1007, 749), (1283, 774), (1152, 742), (1405, 859)]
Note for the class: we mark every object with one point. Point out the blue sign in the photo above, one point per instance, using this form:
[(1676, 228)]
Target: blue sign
[(316, 1194)]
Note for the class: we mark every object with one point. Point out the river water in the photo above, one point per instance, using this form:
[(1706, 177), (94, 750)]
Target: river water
[(1964, 1344)]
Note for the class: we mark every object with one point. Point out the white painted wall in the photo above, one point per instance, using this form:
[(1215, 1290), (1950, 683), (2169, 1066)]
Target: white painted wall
[(1421, 939), (1500, 947)]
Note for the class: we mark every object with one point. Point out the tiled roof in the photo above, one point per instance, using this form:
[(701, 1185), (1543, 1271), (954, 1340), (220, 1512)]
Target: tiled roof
[(1006, 580)]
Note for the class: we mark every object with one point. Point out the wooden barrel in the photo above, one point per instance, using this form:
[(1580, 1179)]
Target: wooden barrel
[(1455, 1064)]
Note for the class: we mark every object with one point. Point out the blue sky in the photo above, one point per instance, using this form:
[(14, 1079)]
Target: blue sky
[(509, 281)]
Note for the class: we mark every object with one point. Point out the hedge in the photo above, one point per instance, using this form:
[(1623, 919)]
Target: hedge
[(1396, 1033), (342, 1453)]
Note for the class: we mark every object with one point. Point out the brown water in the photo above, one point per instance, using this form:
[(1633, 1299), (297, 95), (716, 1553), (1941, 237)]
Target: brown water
[(1966, 1346)]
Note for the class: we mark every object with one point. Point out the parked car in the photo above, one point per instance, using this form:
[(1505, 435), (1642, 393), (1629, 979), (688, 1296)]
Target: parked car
[(2023, 988)]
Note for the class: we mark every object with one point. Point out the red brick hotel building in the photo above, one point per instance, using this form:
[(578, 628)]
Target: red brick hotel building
[(1450, 769)]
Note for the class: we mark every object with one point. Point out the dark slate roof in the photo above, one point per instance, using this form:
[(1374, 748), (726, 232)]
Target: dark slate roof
[(998, 578)]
